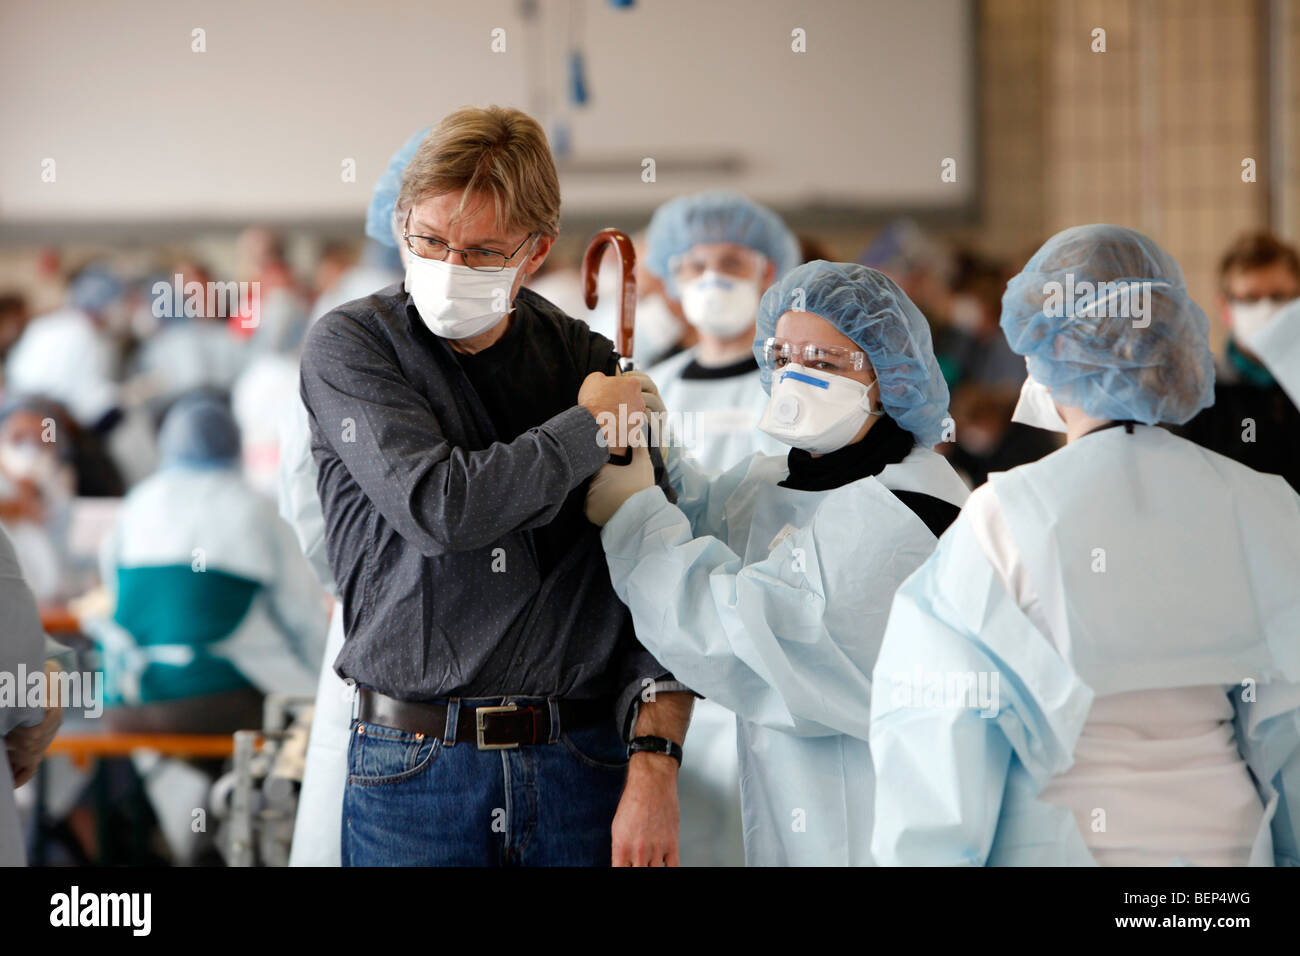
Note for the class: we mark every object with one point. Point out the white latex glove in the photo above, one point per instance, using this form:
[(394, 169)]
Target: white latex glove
[(649, 391), (614, 484), (654, 405)]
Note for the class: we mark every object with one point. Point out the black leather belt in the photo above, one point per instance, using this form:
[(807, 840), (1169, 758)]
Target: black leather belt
[(494, 727)]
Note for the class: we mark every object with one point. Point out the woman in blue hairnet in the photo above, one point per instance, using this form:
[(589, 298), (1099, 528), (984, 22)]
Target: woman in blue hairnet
[(1125, 610), (766, 588), (715, 253)]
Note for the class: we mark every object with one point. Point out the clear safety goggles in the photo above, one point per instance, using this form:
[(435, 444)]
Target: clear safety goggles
[(739, 263), (778, 353)]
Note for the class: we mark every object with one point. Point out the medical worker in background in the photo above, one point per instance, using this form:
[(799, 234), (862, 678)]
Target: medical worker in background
[(69, 355), (1099, 664), (767, 588), (214, 603), (1253, 420), (716, 253)]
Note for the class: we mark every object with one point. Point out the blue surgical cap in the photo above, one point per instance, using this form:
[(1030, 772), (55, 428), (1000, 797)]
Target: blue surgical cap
[(94, 288), (720, 216), (1102, 315), (383, 199), (874, 312), (199, 431)]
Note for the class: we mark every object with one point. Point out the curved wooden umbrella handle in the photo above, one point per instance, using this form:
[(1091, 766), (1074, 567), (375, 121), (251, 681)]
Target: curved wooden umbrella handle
[(622, 243)]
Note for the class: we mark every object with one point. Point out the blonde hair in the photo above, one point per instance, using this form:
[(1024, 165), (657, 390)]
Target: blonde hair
[(497, 151)]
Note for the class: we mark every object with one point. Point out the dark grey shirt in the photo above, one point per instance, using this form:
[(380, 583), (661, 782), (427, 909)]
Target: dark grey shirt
[(432, 518)]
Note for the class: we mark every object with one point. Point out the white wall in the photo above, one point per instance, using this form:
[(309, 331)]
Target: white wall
[(141, 127)]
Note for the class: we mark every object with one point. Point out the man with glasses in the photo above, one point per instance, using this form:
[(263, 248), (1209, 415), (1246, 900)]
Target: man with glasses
[(1254, 420), (454, 424)]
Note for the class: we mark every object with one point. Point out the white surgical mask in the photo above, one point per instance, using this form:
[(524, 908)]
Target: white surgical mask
[(1249, 317), (28, 461), (657, 329), (457, 301), (815, 410), (721, 305), (1036, 408), (967, 314)]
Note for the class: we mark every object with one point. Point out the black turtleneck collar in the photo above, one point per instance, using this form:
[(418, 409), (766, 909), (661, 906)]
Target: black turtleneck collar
[(886, 443)]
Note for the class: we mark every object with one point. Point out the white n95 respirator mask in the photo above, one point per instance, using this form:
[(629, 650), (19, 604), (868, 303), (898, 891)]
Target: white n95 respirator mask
[(720, 305), (456, 302), (657, 329), (1249, 317), (815, 410), (1036, 408)]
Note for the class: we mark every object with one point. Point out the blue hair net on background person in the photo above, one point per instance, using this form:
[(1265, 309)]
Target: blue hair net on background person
[(383, 198), (718, 216), (874, 312), (95, 288), (199, 430), (1097, 355)]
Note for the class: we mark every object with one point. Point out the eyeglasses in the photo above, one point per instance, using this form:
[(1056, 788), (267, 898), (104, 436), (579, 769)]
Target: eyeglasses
[(738, 263), (480, 260), (778, 353)]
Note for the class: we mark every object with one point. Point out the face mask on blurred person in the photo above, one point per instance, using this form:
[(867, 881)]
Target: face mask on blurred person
[(1036, 408), (27, 461), (967, 314), (977, 441), (815, 410), (721, 305), (657, 329), (457, 302), (1249, 317)]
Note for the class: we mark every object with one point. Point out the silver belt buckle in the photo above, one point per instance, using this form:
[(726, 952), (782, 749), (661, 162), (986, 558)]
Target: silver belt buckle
[(480, 713)]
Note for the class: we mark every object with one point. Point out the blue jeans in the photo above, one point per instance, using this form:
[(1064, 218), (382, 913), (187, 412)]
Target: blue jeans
[(417, 801)]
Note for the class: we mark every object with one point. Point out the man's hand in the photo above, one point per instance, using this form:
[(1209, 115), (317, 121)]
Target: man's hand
[(646, 825), (647, 822), (611, 399)]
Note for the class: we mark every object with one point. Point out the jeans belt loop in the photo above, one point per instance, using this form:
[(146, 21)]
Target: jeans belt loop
[(449, 730), (554, 706)]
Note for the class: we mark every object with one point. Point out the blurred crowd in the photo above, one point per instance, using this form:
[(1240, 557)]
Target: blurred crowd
[(86, 387), (141, 425)]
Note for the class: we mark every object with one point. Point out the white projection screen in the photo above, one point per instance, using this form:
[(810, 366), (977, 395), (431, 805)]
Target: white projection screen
[(112, 115)]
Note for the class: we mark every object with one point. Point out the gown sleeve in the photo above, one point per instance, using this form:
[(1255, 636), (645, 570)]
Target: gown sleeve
[(786, 642)]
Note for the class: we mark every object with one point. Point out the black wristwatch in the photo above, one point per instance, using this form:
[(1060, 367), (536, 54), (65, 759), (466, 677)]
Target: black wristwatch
[(655, 745)]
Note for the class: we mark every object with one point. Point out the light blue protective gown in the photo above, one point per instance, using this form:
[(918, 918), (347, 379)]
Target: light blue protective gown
[(1155, 564), (772, 602), (317, 829), (716, 421)]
